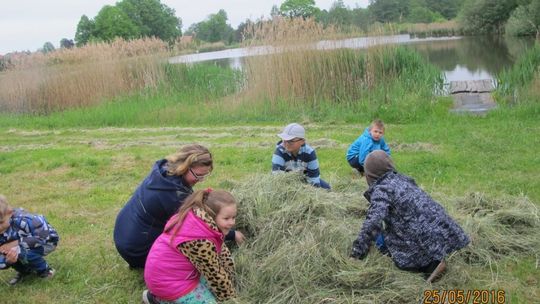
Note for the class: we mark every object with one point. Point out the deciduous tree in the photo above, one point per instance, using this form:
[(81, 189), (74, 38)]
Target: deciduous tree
[(111, 22), (486, 16), (85, 30), (152, 18), (47, 47), (66, 43), (298, 8)]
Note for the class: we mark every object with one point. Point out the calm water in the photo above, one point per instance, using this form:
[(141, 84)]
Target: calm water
[(460, 58)]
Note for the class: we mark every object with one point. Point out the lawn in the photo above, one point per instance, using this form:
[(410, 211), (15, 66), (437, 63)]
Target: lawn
[(81, 177)]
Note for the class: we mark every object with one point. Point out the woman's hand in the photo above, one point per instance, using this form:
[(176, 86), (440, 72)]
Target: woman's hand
[(239, 237)]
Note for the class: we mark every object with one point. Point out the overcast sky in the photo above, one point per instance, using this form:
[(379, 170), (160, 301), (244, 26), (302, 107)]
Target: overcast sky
[(28, 24)]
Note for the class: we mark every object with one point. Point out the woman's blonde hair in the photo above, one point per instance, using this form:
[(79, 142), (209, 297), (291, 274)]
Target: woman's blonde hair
[(209, 200), (189, 156), (4, 206)]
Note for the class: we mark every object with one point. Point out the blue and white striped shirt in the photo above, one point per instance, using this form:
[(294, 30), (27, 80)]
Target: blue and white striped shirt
[(305, 161)]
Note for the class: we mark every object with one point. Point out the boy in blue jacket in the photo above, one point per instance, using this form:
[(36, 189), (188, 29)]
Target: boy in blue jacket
[(25, 238), (372, 139)]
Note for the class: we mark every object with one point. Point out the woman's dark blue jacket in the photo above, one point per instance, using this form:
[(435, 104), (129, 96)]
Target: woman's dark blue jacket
[(143, 218)]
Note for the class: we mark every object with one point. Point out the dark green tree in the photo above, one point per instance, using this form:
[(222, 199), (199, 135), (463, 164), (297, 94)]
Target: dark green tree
[(525, 20), (447, 8), (111, 22), (214, 28), (361, 18), (486, 16), (85, 30), (339, 14), (47, 47), (298, 8), (67, 43), (152, 18), (389, 10)]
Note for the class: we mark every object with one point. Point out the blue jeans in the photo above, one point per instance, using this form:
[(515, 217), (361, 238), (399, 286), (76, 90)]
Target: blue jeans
[(31, 260), (380, 244), (355, 163)]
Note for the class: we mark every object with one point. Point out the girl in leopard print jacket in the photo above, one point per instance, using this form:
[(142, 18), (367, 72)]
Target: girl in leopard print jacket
[(189, 260)]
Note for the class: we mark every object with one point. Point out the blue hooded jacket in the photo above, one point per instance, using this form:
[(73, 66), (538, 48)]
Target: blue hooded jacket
[(143, 218), (364, 145)]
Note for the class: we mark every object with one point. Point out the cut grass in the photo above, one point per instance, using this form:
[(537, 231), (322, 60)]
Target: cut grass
[(299, 236)]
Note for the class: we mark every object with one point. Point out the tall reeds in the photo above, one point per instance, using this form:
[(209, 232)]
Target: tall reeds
[(43, 83), (303, 69), (522, 79)]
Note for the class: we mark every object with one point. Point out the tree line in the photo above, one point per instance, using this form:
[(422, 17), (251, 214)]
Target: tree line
[(132, 19)]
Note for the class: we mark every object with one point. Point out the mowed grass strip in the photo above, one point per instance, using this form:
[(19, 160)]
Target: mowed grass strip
[(80, 178)]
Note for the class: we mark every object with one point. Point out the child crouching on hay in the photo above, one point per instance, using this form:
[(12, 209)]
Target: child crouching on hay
[(419, 233), (189, 262)]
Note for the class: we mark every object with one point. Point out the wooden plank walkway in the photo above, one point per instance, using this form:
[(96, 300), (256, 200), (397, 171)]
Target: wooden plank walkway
[(472, 86), (472, 96)]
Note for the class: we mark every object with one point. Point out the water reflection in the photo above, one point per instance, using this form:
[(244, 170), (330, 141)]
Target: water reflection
[(460, 58)]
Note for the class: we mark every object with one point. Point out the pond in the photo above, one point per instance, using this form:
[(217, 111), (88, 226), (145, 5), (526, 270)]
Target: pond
[(460, 58)]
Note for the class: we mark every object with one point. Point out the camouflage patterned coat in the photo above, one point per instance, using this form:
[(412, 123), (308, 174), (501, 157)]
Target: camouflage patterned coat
[(417, 229)]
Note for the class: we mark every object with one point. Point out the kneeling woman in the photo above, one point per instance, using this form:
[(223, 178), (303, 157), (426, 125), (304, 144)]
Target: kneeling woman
[(189, 262), (418, 234), (156, 199)]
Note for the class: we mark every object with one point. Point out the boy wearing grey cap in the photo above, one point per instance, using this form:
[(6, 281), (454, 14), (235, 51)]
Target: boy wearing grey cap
[(294, 154)]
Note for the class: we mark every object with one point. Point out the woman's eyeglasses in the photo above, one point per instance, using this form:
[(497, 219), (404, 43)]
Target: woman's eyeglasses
[(199, 177)]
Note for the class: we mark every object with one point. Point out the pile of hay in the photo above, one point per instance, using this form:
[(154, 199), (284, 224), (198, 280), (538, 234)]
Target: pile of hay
[(299, 240)]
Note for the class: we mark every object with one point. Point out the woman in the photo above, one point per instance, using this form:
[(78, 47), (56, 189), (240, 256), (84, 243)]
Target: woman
[(418, 233), (157, 198)]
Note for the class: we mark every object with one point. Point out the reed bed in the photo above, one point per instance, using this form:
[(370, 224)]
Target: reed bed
[(436, 29), (521, 79), (301, 72), (67, 78), (300, 239)]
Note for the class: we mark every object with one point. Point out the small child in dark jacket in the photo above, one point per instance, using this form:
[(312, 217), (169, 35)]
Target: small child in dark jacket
[(419, 234), (25, 238)]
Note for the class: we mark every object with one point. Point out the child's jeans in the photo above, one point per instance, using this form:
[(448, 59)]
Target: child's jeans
[(379, 243), (353, 162), (31, 260)]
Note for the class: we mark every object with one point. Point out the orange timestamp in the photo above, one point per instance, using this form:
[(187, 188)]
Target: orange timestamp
[(460, 296)]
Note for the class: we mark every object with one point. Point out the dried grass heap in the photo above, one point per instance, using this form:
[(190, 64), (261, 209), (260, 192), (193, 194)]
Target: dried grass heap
[(300, 238)]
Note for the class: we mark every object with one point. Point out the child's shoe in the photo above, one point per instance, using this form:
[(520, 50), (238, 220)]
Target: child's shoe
[(47, 274), (437, 272), (17, 278), (148, 297)]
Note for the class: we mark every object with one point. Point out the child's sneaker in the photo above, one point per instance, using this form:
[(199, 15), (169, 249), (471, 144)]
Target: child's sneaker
[(437, 272), (148, 297), (47, 274), (17, 278)]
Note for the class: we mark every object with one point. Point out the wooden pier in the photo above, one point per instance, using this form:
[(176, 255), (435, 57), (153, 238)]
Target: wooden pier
[(472, 96)]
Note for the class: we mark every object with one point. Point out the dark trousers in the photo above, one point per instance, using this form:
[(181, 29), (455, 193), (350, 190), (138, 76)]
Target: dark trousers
[(31, 260), (353, 162)]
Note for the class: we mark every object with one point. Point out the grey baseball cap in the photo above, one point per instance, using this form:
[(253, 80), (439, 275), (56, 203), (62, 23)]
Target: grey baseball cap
[(291, 131)]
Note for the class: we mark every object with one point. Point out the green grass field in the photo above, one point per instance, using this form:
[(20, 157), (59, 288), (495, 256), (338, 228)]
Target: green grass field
[(80, 178), (80, 166)]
